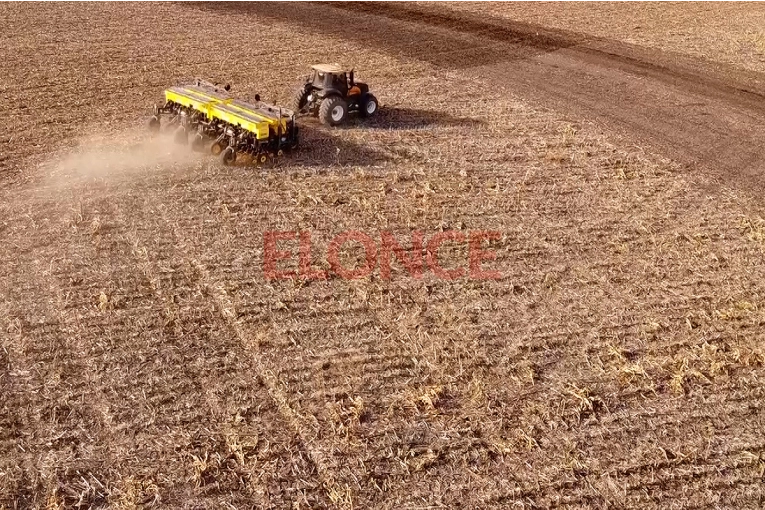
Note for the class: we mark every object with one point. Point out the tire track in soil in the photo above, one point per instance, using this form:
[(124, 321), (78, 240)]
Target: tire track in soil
[(226, 312), (707, 116), (157, 280), (199, 285), (98, 425)]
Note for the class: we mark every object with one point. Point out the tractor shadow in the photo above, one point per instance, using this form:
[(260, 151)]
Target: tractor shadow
[(397, 118), (329, 146), (319, 147)]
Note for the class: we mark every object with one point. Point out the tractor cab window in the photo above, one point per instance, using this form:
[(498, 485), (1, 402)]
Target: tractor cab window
[(340, 82), (318, 79)]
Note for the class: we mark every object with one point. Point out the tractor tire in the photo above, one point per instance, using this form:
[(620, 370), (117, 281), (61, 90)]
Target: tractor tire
[(300, 100), (333, 111), (369, 106), (228, 156)]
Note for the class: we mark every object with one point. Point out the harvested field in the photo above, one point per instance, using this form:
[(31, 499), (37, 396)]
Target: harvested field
[(722, 32), (146, 361)]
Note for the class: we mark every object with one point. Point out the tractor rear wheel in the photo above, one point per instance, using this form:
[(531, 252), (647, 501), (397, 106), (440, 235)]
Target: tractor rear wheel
[(369, 105), (300, 100), (333, 111), (228, 156)]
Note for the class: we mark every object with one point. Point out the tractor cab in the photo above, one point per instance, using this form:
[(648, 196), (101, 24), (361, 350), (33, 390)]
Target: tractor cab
[(331, 78), (331, 92)]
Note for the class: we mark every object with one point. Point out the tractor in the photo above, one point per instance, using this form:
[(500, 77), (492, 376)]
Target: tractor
[(331, 93)]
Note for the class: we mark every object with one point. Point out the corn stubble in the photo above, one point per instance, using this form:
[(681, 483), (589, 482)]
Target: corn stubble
[(145, 362)]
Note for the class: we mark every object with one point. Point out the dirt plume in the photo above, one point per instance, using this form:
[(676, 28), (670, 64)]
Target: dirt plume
[(117, 156)]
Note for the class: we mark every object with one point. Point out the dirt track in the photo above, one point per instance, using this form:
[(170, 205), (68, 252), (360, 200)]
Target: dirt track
[(145, 361), (694, 111)]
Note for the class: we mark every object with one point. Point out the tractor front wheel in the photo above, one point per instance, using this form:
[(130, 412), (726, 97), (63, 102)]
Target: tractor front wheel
[(333, 111), (369, 105)]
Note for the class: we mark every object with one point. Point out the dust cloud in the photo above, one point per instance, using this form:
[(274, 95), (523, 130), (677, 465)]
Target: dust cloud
[(119, 155)]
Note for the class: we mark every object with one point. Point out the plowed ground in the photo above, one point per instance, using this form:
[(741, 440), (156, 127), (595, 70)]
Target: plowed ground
[(145, 360)]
